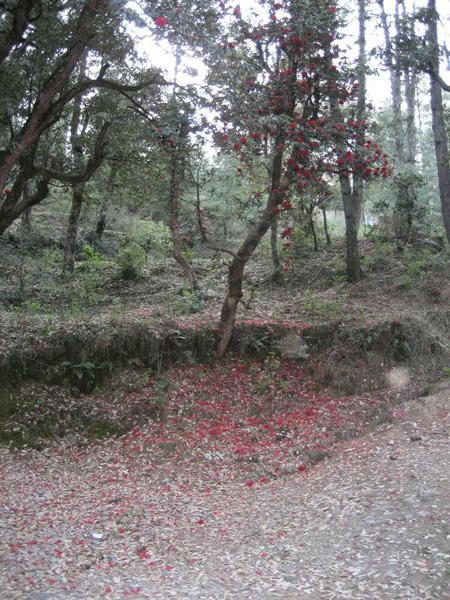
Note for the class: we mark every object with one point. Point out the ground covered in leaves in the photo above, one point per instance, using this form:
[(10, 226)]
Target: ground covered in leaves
[(220, 498)]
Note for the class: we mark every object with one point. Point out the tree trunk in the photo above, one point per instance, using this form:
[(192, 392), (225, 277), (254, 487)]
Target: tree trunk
[(310, 212), (240, 259), (276, 265), (26, 219), (352, 195), (438, 123), (351, 212), (70, 245), (176, 177), (198, 210), (325, 226), (26, 215), (101, 219)]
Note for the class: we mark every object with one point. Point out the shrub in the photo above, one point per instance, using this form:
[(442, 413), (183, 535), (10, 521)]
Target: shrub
[(153, 236), (131, 261)]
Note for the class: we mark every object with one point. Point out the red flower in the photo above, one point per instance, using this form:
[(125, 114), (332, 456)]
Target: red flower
[(161, 21), (287, 204), (143, 553), (276, 210), (237, 11), (237, 146), (286, 232), (244, 140)]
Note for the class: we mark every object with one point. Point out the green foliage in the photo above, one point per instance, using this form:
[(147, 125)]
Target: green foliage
[(379, 257), (52, 258), (154, 236), (415, 268), (92, 258), (188, 303), (327, 308), (84, 376), (131, 261), (299, 241)]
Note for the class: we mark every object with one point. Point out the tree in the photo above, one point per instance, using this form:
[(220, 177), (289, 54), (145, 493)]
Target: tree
[(352, 190), (272, 79), (403, 74), (14, 24), (438, 120), (277, 85), (50, 97)]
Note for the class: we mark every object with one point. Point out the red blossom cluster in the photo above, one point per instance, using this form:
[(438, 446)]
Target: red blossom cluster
[(161, 21)]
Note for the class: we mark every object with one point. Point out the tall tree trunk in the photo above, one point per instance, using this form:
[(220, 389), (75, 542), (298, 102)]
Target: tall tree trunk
[(176, 179), (26, 215), (310, 212), (77, 143), (406, 194), (325, 225), (352, 191), (276, 265), (352, 214), (438, 123), (101, 219), (174, 210), (70, 245), (198, 209)]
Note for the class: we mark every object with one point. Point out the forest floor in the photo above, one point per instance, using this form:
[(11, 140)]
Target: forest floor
[(115, 520), (302, 466)]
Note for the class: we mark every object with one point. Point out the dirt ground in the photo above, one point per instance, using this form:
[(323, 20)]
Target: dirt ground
[(371, 522)]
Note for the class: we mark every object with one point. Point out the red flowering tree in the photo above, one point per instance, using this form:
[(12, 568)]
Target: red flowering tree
[(275, 82)]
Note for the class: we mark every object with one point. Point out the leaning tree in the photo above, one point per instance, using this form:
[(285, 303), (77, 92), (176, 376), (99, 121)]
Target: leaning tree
[(274, 82)]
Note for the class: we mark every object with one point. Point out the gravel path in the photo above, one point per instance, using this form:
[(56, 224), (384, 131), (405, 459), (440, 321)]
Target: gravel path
[(370, 523)]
